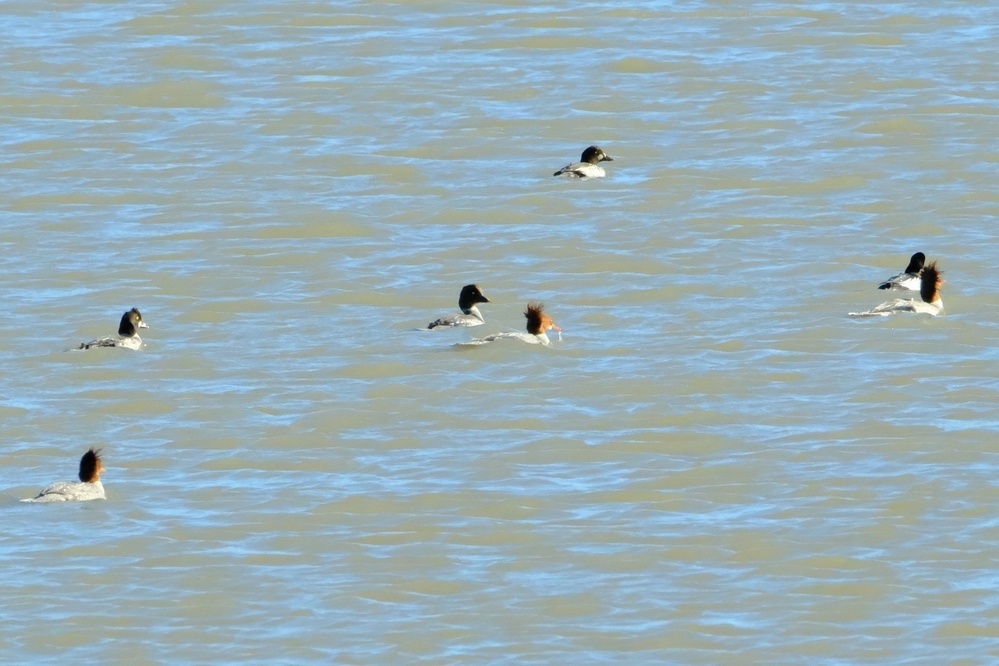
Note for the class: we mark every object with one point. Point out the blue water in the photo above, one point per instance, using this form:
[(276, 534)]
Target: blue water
[(714, 465)]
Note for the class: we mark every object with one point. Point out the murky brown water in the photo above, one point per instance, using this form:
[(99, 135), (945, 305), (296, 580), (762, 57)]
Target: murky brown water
[(714, 465)]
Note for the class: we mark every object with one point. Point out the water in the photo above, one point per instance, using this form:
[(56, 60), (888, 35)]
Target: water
[(715, 465)]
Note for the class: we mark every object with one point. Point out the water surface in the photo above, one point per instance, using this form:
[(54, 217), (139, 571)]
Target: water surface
[(714, 465)]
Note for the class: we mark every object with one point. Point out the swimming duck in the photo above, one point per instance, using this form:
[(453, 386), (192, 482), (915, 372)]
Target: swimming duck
[(538, 325), (128, 333), (929, 301), (909, 278), (89, 487), (470, 315), (588, 165)]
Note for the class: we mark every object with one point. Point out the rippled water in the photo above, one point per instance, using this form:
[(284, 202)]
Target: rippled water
[(714, 465)]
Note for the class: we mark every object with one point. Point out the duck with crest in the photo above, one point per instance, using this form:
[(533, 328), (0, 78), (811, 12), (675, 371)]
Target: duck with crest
[(538, 325), (929, 301), (89, 487)]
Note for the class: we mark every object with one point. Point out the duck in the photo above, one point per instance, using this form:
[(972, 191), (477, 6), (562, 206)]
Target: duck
[(538, 325), (588, 165), (929, 301), (89, 487), (908, 279), (128, 333), (469, 297)]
